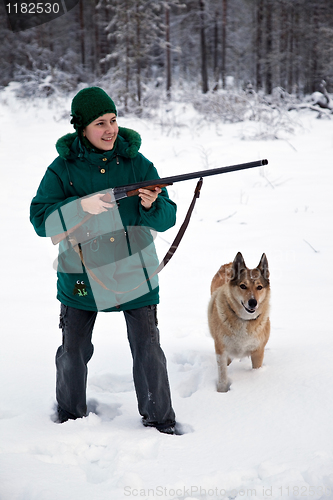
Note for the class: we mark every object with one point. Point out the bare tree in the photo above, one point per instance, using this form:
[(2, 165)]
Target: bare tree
[(269, 46), (203, 48), (224, 40), (259, 42)]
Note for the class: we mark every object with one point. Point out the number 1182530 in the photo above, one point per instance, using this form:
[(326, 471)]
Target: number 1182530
[(33, 8)]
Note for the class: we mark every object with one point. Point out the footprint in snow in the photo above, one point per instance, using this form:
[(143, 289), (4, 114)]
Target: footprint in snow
[(111, 382), (5, 414), (106, 412), (190, 364), (189, 386)]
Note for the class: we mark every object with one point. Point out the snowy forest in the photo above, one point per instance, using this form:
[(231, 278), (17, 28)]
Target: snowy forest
[(140, 48)]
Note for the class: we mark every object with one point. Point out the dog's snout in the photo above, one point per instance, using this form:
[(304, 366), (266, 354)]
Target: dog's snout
[(252, 303)]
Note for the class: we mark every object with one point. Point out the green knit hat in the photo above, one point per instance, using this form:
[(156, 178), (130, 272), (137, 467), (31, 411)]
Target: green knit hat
[(89, 104)]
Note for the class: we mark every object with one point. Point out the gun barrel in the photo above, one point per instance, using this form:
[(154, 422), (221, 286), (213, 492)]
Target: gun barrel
[(121, 191), (118, 193)]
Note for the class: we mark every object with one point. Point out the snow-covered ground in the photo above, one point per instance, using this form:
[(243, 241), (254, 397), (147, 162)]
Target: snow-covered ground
[(271, 436)]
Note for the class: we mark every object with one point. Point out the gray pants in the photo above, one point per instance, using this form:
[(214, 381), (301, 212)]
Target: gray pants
[(149, 364)]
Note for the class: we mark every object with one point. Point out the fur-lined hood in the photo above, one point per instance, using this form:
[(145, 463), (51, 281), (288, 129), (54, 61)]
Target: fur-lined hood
[(127, 144)]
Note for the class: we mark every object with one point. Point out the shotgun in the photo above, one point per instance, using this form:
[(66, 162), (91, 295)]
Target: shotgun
[(118, 193)]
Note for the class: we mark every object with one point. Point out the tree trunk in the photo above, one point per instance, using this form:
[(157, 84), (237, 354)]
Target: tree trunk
[(269, 46), (224, 40), (216, 52), (138, 54), (83, 56), (168, 51), (296, 60), (291, 55), (127, 62), (204, 73), (259, 40), (97, 51), (314, 49)]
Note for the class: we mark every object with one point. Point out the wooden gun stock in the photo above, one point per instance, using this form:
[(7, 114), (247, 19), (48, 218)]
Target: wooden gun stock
[(135, 192)]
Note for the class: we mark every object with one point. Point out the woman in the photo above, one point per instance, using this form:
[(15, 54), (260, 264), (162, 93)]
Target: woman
[(107, 262)]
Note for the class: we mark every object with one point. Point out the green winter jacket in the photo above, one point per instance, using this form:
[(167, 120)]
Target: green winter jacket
[(117, 246)]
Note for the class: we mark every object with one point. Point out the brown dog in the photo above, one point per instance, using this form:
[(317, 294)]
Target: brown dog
[(238, 314)]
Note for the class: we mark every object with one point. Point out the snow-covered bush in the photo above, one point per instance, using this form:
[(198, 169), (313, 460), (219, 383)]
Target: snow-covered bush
[(226, 106), (264, 117)]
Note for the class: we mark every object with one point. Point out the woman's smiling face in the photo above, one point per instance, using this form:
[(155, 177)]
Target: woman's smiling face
[(102, 132)]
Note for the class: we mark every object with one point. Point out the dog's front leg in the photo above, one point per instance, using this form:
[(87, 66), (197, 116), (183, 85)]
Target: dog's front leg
[(223, 384), (257, 358)]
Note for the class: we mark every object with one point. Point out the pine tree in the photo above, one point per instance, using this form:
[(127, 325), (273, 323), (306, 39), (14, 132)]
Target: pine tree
[(135, 29)]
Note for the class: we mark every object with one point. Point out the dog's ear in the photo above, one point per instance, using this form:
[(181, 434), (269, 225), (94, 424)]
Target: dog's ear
[(237, 266), (263, 266)]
